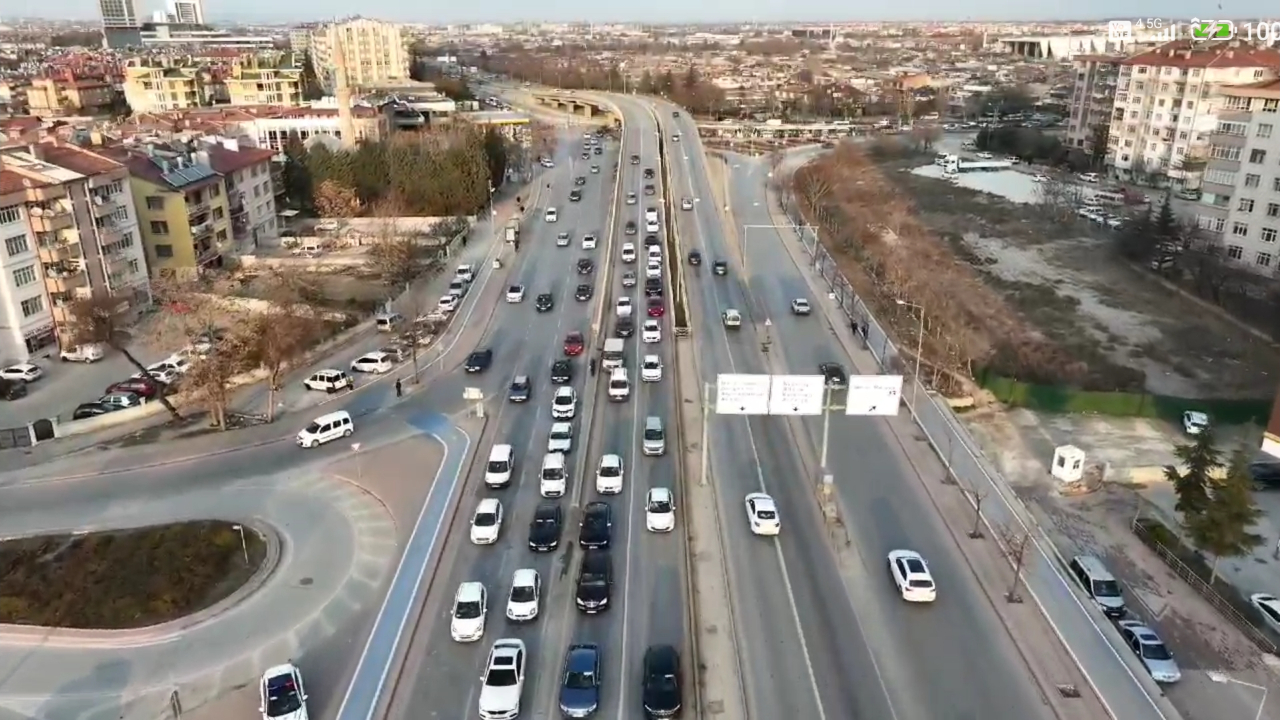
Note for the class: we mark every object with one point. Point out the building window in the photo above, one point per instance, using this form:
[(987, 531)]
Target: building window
[(1246, 205), (1257, 157), (1270, 106), (10, 214), (155, 202), (134, 266), (1235, 252), (1239, 229), (215, 191), (1215, 224), (1273, 209), (1275, 184), (217, 213), (1264, 130), (16, 245), (24, 276), (1262, 259), (1219, 177), (221, 235), (159, 227), (1252, 181), (31, 306), (1223, 152), (1269, 234), (164, 251)]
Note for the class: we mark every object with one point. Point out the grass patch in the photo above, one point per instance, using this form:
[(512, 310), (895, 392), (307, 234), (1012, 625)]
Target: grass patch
[(124, 579)]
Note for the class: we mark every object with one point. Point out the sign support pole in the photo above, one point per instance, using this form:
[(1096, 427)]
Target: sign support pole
[(826, 427), (706, 433)]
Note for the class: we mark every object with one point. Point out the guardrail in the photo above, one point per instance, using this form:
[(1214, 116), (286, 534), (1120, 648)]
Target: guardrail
[(680, 301)]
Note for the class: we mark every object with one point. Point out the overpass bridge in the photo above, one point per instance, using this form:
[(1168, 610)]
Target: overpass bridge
[(570, 103)]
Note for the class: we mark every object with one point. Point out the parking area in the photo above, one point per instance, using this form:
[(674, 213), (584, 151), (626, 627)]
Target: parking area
[(65, 385)]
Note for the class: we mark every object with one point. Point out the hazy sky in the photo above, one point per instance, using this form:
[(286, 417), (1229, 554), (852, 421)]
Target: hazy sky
[(675, 10)]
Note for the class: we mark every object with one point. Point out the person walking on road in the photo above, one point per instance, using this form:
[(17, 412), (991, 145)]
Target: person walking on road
[(399, 388), (591, 365)]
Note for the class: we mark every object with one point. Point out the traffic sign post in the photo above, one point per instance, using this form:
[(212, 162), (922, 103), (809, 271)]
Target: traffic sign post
[(873, 395)]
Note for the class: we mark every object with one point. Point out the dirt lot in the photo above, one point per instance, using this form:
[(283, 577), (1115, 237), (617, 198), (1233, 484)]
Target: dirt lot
[(129, 579), (1064, 280)]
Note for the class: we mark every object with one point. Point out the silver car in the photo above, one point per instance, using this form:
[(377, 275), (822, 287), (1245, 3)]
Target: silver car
[(1151, 650)]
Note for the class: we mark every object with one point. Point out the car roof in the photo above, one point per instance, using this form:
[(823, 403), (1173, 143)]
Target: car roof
[(277, 670), (524, 576), (488, 505), (560, 425), (546, 510), (582, 657), (610, 459), (500, 449), (564, 390), (520, 379), (660, 493), (663, 656), (652, 358), (470, 591), (595, 507)]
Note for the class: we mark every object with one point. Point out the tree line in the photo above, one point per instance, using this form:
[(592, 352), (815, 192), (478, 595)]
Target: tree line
[(445, 172), (1215, 499)]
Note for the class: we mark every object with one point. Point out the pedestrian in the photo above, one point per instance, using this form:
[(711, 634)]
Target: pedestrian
[(351, 385), (464, 241), (591, 365), (399, 388)]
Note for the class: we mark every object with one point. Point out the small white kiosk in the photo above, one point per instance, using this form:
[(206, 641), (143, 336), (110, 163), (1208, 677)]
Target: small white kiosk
[(1068, 464)]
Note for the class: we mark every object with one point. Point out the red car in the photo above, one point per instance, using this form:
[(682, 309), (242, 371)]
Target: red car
[(574, 344), (138, 386), (656, 308)]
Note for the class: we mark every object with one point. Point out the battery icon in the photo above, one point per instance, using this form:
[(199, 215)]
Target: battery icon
[(1212, 29)]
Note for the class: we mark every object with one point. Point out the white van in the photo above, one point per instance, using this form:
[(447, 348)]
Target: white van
[(651, 215), (551, 215), (555, 476), (325, 428), (612, 355), (387, 322), (619, 385), (655, 437), (502, 459)]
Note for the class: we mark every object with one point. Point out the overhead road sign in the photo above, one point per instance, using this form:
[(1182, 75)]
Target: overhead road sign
[(742, 394), (873, 395), (770, 394), (797, 395)]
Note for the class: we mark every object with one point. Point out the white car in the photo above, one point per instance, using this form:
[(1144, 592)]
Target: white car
[(762, 514), (1194, 422), (470, 606), (120, 400), (800, 306), (732, 318), (89, 353), (374, 362), (651, 331), (562, 240), (560, 438), (628, 252), (659, 510), (327, 381), (910, 574), (515, 294), (651, 226), (609, 475), (503, 680), (565, 403), (525, 596), (178, 362), (465, 272), (631, 198), (447, 303), (686, 204), (1268, 607), (161, 373), (588, 242), (281, 695), (653, 268), (623, 307), (650, 368), (26, 372), (551, 215), (487, 522)]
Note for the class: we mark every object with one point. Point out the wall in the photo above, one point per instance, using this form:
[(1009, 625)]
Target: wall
[(174, 214)]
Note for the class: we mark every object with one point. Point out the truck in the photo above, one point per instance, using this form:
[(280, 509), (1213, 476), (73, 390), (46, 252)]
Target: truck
[(952, 164), (513, 230)]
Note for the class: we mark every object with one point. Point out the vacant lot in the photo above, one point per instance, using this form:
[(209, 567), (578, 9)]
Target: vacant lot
[(127, 579), (1062, 282)]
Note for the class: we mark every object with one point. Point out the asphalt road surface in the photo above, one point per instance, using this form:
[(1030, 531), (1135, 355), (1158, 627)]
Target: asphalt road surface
[(648, 584), (816, 642)]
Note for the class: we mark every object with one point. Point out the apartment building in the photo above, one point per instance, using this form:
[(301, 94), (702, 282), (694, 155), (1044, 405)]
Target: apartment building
[(374, 52), (121, 25), (52, 97), (1166, 104), (158, 88), (68, 230), (1093, 95), (265, 80), (184, 217), (249, 189), (1240, 204)]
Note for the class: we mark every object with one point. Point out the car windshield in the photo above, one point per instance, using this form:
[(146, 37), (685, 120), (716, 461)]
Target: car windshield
[(486, 519), (1106, 588), (766, 514), (522, 594), (580, 680), (313, 428), (468, 610), (497, 466), (610, 471), (561, 434), (651, 364), (564, 400), (282, 696), (651, 434), (659, 506), (1156, 651), (502, 677)]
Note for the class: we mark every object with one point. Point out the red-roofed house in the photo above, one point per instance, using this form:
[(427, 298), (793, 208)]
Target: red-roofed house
[(251, 193)]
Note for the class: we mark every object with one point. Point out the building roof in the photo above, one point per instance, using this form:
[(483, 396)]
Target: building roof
[(227, 161), (11, 182), (77, 159), (151, 169), (1225, 54), (1264, 89)]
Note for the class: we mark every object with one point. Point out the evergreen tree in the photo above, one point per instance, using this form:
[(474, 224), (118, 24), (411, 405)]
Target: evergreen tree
[(1223, 530), (1137, 238), (646, 85), (296, 176), (311, 86), (495, 150), (1165, 226), (1199, 460)]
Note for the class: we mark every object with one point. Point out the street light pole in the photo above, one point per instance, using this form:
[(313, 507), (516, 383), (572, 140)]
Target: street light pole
[(826, 428), (244, 545), (919, 349)]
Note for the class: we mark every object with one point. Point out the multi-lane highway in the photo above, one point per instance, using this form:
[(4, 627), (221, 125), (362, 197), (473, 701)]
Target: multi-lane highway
[(648, 592), (826, 639)]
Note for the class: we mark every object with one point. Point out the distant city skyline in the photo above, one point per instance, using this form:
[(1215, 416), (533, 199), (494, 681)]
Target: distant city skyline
[(671, 11)]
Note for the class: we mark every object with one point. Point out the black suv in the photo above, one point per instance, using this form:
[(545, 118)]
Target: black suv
[(580, 180), (635, 159), (625, 328), (586, 266), (583, 293), (544, 302), (595, 581), (648, 173), (660, 681), (596, 529), (630, 228), (575, 196), (653, 287), (479, 360), (651, 241), (544, 529), (835, 375), (561, 372), (649, 190), (695, 257), (720, 267)]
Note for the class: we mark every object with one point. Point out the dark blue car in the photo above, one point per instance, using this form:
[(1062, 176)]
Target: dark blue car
[(580, 688)]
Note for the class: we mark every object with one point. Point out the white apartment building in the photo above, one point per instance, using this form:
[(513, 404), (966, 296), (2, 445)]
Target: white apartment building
[(1241, 192), (68, 230), (1166, 104), (1093, 95), (320, 119), (251, 196), (375, 53)]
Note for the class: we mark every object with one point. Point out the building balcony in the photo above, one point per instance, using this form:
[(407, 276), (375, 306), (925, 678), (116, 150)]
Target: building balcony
[(65, 277), (103, 204), (1234, 115), (196, 208), (51, 217), (108, 233), (200, 230), (56, 247), (1230, 140)]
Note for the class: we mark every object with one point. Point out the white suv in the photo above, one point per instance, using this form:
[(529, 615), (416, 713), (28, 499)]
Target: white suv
[(651, 331), (469, 608), (486, 524), (588, 242), (561, 438), (609, 475), (565, 403), (651, 368), (503, 681), (628, 252)]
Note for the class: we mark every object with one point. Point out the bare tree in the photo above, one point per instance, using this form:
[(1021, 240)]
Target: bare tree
[(334, 200), (397, 256), (281, 336), (545, 140), (1057, 196), (107, 320), (208, 383), (925, 136)]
